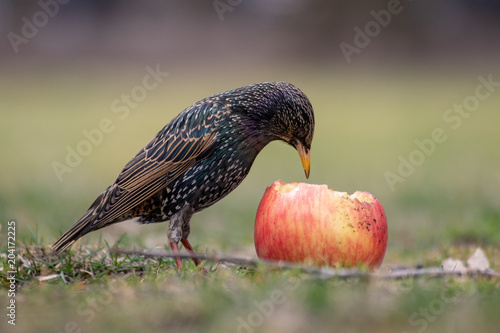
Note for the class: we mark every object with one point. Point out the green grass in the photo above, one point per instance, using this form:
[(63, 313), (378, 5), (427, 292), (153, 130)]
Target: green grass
[(96, 291), (365, 120), (93, 290)]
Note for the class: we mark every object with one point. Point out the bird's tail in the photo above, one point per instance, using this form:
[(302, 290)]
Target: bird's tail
[(83, 226)]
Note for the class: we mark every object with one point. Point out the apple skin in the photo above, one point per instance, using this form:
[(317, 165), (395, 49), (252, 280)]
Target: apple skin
[(305, 223)]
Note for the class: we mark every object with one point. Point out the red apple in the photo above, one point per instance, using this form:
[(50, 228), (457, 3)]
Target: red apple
[(298, 222)]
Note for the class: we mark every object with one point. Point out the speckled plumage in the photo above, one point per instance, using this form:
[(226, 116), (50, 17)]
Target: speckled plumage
[(199, 157)]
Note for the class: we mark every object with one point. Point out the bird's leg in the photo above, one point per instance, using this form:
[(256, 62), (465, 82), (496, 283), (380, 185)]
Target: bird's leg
[(175, 250), (174, 235), (186, 230), (189, 248), (178, 230)]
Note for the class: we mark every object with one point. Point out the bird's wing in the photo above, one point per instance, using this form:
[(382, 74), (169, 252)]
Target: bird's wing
[(187, 139), (172, 152)]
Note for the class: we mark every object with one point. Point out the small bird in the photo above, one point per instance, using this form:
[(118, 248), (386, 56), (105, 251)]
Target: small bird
[(198, 158)]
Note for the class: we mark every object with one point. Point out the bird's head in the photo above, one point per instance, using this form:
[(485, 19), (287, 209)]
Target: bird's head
[(295, 122), (285, 113)]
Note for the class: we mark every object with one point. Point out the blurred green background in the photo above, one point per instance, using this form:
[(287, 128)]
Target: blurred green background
[(63, 77), (365, 122)]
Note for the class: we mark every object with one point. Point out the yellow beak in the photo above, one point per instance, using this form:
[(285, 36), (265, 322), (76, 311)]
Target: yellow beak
[(305, 157)]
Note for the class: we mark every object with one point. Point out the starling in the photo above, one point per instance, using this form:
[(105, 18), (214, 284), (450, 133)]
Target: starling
[(198, 158)]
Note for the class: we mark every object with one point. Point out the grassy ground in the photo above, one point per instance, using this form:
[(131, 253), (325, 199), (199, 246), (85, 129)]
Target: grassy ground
[(366, 123)]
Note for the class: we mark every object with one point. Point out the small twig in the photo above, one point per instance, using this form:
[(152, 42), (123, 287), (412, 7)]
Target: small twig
[(432, 271), (186, 255), (324, 272)]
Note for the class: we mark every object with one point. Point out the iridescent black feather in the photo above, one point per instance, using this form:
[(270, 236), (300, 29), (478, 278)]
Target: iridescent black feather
[(199, 157)]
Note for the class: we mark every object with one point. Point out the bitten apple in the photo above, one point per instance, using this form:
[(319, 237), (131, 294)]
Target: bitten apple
[(299, 222)]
